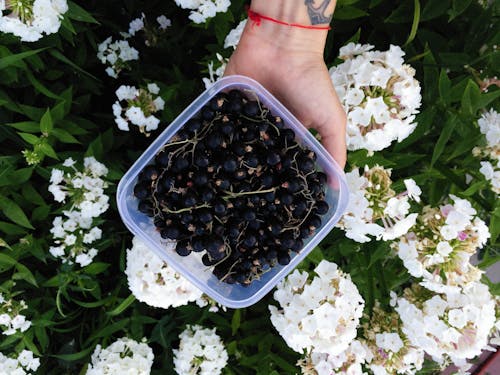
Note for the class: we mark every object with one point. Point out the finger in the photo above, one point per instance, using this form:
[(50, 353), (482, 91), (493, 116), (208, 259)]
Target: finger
[(333, 133)]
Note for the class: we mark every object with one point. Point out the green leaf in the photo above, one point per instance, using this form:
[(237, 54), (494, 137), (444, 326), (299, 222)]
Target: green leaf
[(457, 8), (31, 195), (434, 9), (348, 13), (95, 268), (472, 189), (485, 99), (58, 55), (14, 212), (25, 274), (235, 321), (14, 230), (26, 126), (63, 136), (12, 59), (109, 329), (40, 87), (74, 356), (77, 13), (416, 20), (30, 138), (470, 98), (444, 86), (48, 150), (6, 262), (46, 124), (444, 137), (15, 177), (122, 306)]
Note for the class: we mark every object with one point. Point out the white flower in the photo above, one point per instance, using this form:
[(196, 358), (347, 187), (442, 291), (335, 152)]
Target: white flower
[(23, 364), (163, 21), (124, 356), (201, 351), (136, 25), (348, 362), (319, 314), (440, 244), (140, 106), (39, 17), (413, 189), (201, 10), (374, 209), (234, 36), (56, 176), (126, 92), (451, 326), (74, 231), (153, 88), (379, 95), (154, 282), (117, 54)]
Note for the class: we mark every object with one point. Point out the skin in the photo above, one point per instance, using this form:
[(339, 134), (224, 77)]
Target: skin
[(289, 62)]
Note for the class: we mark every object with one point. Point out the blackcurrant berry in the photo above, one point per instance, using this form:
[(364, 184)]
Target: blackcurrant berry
[(162, 159), (321, 207), (283, 259), (273, 158), (230, 165), (150, 173), (251, 109), (146, 207), (207, 113), (182, 248), (193, 125), (142, 190)]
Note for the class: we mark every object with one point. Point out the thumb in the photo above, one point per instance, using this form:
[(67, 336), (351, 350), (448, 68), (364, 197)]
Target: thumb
[(333, 134)]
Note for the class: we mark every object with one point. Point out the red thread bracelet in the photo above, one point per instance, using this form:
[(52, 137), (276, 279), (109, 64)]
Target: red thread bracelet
[(257, 18)]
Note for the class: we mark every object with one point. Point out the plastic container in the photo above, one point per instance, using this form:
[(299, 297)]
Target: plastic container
[(231, 295)]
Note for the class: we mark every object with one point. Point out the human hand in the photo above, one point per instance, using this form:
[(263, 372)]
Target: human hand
[(289, 63)]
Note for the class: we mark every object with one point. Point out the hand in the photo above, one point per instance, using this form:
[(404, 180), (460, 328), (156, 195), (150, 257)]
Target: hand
[(289, 63)]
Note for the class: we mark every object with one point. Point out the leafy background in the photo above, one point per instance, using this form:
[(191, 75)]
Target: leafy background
[(56, 98)]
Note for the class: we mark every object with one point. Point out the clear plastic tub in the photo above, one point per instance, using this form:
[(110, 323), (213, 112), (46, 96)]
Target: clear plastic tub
[(191, 267)]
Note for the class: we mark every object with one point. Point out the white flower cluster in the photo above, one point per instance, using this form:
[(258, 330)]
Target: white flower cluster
[(24, 364), (375, 209), (11, 321), (117, 55), (201, 352), (75, 231), (391, 351), (449, 326), (139, 106), (201, 10), (378, 93), (489, 125), (124, 356), (438, 248), (319, 314), (30, 19), (154, 282), (349, 362)]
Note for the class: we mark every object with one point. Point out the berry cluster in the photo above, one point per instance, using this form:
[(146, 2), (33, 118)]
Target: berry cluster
[(235, 184)]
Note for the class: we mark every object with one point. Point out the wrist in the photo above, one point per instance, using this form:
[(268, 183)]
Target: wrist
[(310, 38)]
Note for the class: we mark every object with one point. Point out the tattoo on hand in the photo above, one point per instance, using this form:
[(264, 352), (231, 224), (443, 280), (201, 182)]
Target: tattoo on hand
[(317, 14)]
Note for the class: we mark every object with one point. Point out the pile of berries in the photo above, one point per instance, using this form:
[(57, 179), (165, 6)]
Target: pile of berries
[(234, 183)]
